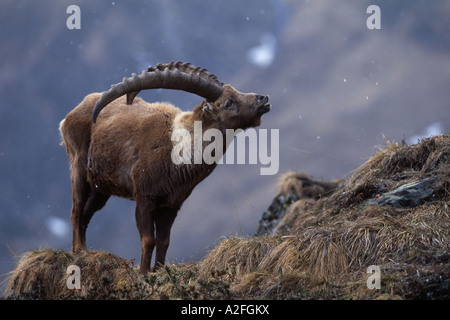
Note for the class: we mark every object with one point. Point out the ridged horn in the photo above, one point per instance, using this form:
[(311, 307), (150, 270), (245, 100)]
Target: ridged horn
[(174, 75)]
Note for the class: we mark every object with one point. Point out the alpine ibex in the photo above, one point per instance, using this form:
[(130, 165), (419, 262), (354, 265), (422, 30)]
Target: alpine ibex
[(125, 150)]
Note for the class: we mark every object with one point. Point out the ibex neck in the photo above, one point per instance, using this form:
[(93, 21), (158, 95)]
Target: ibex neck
[(187, 120), (198, 139)]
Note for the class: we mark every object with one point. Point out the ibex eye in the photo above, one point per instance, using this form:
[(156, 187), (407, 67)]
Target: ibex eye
[(229, 103)]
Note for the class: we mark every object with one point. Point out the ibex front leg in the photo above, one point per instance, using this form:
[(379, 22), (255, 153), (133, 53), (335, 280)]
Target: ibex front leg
[(164, 220), (145, 221)]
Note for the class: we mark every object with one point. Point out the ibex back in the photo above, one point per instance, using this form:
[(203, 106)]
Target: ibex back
[(125, 150)]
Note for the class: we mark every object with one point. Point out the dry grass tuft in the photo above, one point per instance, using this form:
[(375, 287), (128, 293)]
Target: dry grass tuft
[(350, 241), (41, 274), (398, 164), (38, 274), (303, 186), (237, 256)]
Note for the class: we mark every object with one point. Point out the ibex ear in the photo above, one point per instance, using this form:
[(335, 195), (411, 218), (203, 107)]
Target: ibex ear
[(207, 107)]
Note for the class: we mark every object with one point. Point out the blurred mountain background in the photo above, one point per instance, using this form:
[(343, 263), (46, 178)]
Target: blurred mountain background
[(338, 91)]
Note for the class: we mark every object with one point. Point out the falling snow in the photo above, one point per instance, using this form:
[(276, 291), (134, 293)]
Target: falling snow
[(57, 227)]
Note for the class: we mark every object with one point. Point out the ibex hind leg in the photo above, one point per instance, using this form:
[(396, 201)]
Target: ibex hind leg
[(80, 195), (85, 203), (94, 203)]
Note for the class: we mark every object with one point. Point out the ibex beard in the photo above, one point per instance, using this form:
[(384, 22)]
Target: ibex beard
[(126, 150)]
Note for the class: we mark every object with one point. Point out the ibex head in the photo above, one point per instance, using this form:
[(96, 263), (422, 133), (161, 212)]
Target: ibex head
[(223, 103), (235, 109)]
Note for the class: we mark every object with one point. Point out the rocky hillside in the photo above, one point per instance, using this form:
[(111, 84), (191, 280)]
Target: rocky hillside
[(383, 233)]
